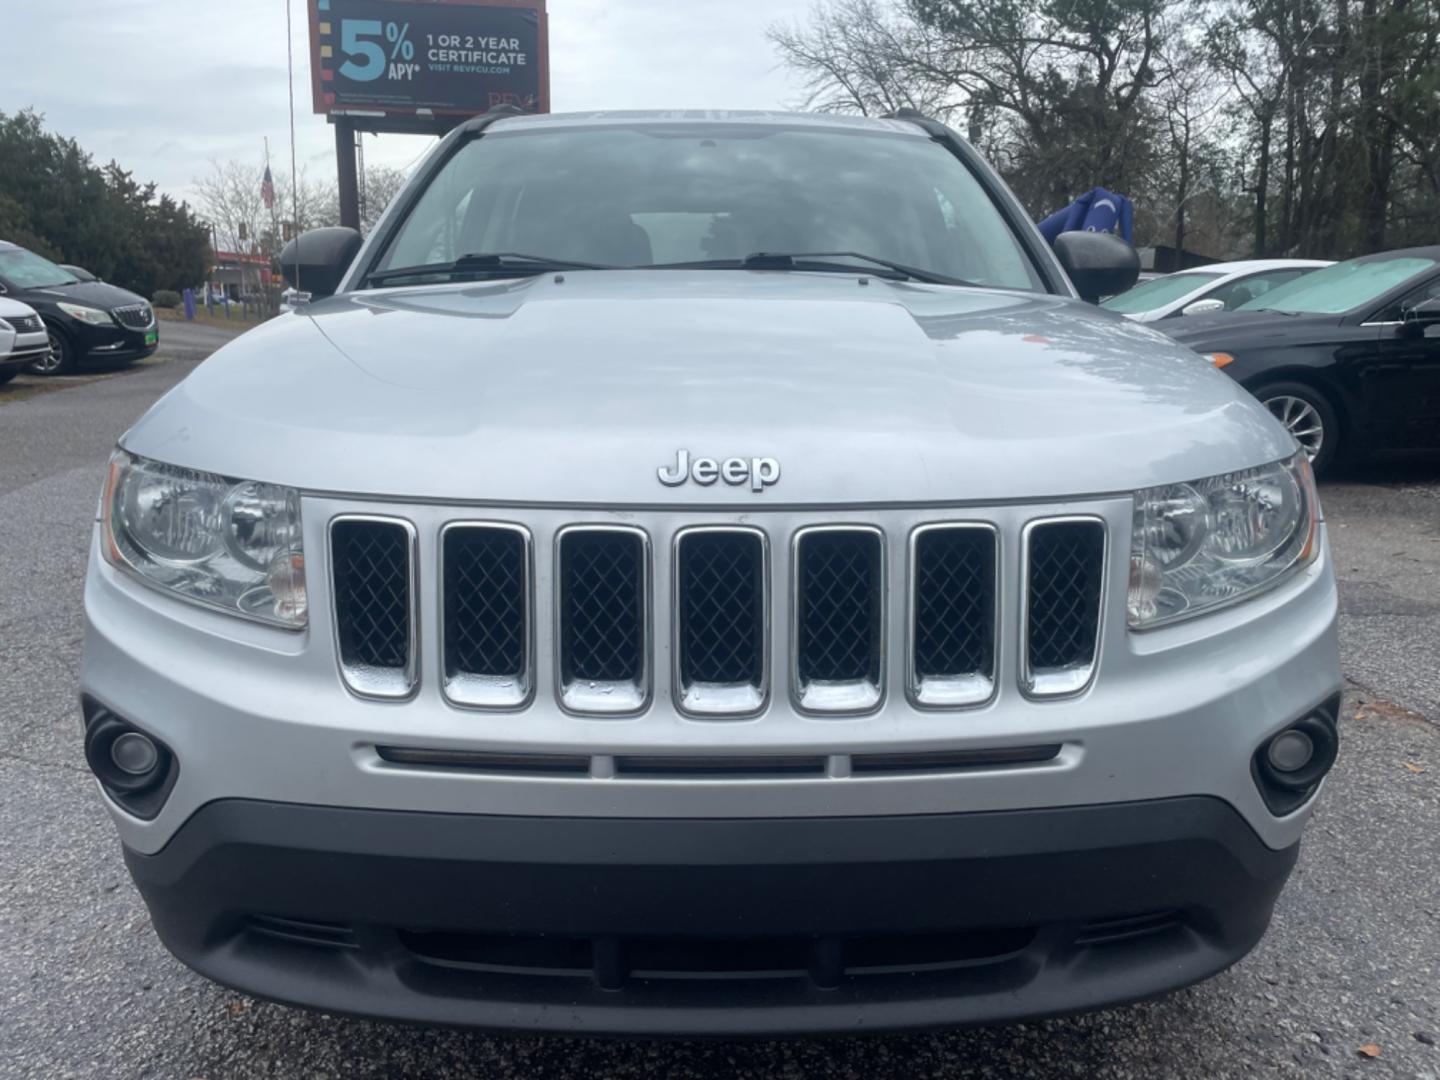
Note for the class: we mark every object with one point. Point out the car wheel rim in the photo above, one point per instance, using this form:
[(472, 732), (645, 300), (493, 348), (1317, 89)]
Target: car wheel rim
[(50, 362), (1302, 420)]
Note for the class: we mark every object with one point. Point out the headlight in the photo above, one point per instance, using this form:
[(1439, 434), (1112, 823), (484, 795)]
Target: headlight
[(93, 316), (1199, 545), (233, 544)]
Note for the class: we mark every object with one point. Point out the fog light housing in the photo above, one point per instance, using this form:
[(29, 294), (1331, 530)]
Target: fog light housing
[(136, 770), (1288, 766)]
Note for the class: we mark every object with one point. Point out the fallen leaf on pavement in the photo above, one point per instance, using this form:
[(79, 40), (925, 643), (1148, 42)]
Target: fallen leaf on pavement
[(1412, 766), (1370, 1050)]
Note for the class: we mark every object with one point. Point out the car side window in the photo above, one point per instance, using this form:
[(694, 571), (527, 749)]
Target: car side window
[(1394, 313), (1244, 290)]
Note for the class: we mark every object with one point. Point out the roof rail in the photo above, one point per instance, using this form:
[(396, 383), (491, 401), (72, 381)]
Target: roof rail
[(905, 112), (928, 124), (485, 119)]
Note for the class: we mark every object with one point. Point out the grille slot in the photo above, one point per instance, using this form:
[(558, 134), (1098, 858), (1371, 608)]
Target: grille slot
[(721, 603), (135, 316), (694, 961), (486, 583), (953, 615), (603, 607), (373, 576), (839, 608), (720, 765), (1064, 575), (485, 761), (954, 760)]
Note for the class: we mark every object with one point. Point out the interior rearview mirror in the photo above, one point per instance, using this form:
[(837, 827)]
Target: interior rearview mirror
[(1098, 264), (315, 261), (1203, 307)]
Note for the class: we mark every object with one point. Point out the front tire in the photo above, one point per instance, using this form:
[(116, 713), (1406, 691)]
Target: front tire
[(1308, 415), (62, 359)]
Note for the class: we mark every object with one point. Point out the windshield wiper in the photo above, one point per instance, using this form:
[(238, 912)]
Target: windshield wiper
[(509, 263), (817, 261)]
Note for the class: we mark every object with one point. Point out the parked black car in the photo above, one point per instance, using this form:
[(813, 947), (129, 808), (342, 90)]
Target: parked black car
[(84, 319), (1347, 357)]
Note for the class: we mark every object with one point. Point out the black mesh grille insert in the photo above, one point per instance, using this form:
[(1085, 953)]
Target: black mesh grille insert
[(602, 580), (372, 592), (484, 601), (721, 606), (839, 606), (954, 602), (1066, 568)]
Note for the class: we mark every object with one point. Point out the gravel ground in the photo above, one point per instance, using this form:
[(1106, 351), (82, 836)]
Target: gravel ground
[(1353, 959)]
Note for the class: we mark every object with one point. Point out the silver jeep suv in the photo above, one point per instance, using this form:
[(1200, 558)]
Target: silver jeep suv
[(701, 574)]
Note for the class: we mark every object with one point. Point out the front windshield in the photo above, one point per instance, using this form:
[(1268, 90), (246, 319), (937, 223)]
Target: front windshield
[(652, 194), (26, 270), (1341, 287), (1149, 295)]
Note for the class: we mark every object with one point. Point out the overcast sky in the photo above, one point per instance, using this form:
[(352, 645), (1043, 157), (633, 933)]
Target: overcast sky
[(165, 86)]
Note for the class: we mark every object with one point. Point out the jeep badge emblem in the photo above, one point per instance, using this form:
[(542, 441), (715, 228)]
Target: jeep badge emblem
[(758, 472)]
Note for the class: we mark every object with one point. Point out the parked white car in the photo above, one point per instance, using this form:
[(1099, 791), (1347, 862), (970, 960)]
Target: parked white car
[(1217, 287), (23, 339)]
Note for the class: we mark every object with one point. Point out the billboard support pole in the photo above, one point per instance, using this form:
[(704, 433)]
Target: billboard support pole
[(346, 172)]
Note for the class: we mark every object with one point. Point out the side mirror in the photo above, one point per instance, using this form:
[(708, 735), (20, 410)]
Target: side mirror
[(316, 261), (1099, 264), (1418, 320), (1203, 307)]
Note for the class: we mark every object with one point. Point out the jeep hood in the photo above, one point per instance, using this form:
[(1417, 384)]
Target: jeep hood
[(575, 389)]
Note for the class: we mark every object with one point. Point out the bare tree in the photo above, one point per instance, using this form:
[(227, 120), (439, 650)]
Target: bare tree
[(382, 184), (863, 56), (230, 199)]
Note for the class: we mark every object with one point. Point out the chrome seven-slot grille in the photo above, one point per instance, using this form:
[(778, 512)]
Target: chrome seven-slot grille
[(135, 316), (723, 614)]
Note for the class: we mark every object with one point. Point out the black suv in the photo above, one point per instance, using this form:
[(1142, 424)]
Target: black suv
[(85, 319)]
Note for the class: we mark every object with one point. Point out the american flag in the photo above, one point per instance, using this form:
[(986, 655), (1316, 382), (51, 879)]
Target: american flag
[(267, 190)]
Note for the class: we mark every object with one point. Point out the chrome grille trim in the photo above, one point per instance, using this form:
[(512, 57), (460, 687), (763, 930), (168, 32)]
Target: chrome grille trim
[(1013, 527), (597, 697), (473, 690), (957, 690), (840, 697), (134, 316), (24, 324), (712, 700), (1060, 682), (366, 681)]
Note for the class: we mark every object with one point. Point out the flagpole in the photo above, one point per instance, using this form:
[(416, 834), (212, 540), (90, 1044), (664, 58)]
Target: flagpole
[(271, 255)]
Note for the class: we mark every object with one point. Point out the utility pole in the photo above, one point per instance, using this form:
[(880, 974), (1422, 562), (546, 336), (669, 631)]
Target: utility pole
[(345, 168)]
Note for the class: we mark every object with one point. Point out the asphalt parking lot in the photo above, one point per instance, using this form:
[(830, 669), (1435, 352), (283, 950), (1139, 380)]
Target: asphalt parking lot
[(1347, 984)]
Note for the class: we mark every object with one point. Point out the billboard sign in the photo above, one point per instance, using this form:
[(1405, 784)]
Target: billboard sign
[(413, 58)]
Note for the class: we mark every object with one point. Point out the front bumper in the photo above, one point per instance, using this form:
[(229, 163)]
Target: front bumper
[(293, 860), (26, 350), (257, 713), (97, 343), (720, 927)]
